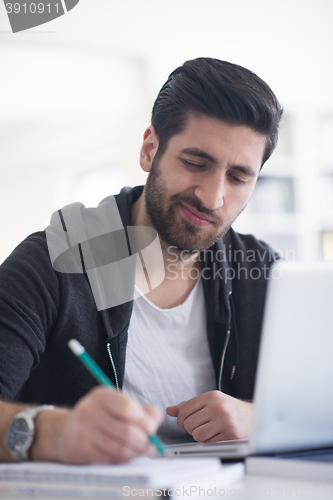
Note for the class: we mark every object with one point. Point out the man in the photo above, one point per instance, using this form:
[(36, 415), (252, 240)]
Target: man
[(191, 343)]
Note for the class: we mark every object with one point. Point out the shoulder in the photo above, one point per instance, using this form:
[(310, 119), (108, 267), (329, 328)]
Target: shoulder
[(32, 248), (29, 267)]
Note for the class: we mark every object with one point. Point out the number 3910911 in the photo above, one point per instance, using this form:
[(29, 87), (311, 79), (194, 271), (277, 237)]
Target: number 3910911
[(32, 8)]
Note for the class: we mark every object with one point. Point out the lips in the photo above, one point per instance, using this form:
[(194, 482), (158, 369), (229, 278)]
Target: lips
[(193, 216)]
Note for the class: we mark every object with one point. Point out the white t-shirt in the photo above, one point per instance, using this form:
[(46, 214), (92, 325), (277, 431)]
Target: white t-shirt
[(167, 358)]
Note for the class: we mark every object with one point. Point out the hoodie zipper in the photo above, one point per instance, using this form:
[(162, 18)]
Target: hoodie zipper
[(225, 345), (113, 365), (222, 358)]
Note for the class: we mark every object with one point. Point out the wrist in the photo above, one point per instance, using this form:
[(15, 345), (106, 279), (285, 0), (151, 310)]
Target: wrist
[(46, 442)]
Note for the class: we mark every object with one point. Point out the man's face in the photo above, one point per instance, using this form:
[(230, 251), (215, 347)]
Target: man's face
[(202, 182)]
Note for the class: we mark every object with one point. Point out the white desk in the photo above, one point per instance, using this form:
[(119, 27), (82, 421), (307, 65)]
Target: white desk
[(265, 487), (227, 486), (255, 487)]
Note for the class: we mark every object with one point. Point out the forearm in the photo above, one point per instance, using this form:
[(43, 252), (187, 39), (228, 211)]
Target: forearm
[(48, 430)]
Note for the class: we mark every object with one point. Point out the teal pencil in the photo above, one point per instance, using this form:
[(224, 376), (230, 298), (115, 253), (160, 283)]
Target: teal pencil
[(100, 376)]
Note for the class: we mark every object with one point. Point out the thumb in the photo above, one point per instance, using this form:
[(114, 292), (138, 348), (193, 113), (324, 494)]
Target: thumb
[(155, 412), (155, 418), (173, 410)]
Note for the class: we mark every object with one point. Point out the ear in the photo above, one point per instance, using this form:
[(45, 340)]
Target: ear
[(148, 148)]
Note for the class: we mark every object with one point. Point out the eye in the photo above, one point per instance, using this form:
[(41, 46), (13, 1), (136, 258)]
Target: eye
[(237, 180), (193, 165)]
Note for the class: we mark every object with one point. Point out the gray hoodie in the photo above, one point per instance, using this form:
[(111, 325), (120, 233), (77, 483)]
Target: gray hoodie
[(43, 306)]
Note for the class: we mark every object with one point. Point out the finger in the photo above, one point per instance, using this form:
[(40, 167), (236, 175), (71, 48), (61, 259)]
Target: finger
[(196, 420), (172, 410), (156, 413), (118, 405), (101, 438), (205, 433), (131, 434), (123, 433), (217, 437), (118, 451), (102, 449), (151, 420), (186, 410)]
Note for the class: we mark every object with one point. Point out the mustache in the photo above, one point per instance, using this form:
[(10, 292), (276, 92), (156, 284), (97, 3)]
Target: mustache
[(195, 203)]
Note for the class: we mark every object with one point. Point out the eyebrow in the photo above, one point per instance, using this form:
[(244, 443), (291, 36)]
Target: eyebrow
[(245, 170), (199, 153), (202, 154)]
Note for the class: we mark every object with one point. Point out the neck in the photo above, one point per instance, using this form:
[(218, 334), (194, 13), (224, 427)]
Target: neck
[(177, 264)]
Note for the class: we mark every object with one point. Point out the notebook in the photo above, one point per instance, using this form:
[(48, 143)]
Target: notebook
[(143, 477), (293, 403)]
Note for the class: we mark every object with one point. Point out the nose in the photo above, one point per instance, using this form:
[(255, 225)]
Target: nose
[(211, 191)]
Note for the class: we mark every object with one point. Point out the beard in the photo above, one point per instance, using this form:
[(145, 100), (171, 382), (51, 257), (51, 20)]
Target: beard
[(174, 230)]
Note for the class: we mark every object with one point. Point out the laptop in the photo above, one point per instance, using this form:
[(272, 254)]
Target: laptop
[(293, 390)]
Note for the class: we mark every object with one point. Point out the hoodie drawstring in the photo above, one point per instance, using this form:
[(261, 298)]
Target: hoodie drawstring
[(235, 335)]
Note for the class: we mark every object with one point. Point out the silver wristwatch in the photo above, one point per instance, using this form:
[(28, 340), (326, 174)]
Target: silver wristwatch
[(21, 432)]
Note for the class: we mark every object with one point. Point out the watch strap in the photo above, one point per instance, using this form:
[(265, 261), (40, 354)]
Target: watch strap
[(28, 414), (33, 411)]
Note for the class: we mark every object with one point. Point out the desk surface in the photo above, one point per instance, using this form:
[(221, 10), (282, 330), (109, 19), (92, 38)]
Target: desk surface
[(225, 486), (261, 487)]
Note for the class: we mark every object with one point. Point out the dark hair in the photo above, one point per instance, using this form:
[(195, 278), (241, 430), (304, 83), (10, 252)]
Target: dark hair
[(218, 89)]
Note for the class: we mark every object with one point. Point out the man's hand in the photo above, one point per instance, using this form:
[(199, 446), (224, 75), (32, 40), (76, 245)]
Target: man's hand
[(104, 426), (214, 416)]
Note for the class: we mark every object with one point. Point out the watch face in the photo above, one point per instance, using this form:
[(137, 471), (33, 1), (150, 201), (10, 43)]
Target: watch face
[(19, 435)]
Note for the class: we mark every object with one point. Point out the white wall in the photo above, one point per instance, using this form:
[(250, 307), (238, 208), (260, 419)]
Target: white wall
[(76, 93)]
